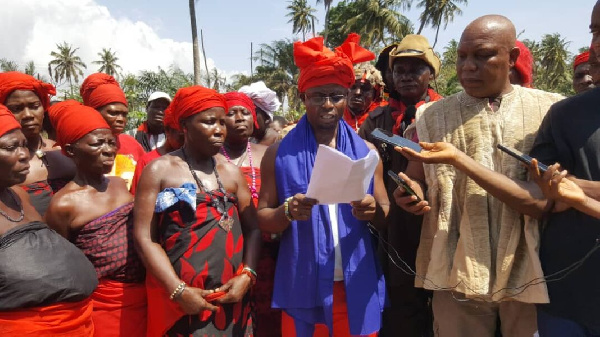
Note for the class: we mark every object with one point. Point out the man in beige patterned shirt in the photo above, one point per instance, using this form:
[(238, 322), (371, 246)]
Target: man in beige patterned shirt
[(478, 252)]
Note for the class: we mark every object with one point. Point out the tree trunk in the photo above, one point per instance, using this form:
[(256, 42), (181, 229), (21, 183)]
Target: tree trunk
[(437, 32), (195, 42), (325, 32), (313, 26), (421, 27), (205, 62)]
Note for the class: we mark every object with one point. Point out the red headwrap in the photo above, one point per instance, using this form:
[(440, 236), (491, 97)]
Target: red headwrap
[(235, 98), (101, 89), (7, 121), (192, 100), (170, 120), (581, 58), (73, 120), (524, 64), (14, 80), (319, 65)]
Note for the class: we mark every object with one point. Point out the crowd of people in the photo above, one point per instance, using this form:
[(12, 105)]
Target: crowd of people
[(198, 222)]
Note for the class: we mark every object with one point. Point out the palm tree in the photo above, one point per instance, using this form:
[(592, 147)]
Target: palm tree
[(7, 65), (195, 50), (29, 68), (302, 17), (108, 62), (438, 12), (66, 64), (554, 58), (379, 21), (327, 4)]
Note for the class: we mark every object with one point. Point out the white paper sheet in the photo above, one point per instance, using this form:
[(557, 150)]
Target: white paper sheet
[(337, 179)]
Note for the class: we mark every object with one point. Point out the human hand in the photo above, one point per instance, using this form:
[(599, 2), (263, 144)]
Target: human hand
[(235, 289), (432, 153), (192, 301), (364, 209), (556, 186), (409, 202), (300, 207)]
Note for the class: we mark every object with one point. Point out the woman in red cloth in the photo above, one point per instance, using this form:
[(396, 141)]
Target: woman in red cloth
[(45, 282), (237, 149), (94, 212), (27, 98), (103, 93), (196, 230)]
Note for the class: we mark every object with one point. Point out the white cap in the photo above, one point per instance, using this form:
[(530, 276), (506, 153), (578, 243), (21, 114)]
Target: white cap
[(159, 94)]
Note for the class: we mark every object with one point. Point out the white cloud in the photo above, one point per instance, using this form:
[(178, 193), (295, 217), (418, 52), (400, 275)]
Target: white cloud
[(33, 28)]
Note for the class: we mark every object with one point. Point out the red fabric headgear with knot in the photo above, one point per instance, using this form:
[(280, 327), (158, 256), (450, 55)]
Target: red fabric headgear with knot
[(101, 89), (581, 58), (192, 100), (524, 64), (319, 65), (14, 80), (73, 120), (7, 121), (235, 98), (170, 120)]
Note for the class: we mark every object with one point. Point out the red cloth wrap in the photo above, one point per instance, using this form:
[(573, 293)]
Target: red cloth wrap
[(56, 320), (101, 89), (235, 98), (7, 121), (119, 309), (354, 122), (319, 65), (524, 64), (581, 58), (195, 99), (400, 108), (73, 120), (14, 80)]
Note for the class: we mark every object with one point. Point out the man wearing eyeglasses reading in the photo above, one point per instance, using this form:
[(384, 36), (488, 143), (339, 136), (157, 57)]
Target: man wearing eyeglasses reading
[(326, 251)]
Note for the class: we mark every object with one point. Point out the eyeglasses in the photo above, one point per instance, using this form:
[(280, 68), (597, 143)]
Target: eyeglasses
[(320, 99)]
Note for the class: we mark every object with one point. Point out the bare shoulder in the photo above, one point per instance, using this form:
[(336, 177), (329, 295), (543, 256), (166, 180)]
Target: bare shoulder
[(258, 149), (49, 144), (271, 151), (117, 183), (64, 200), (370, 145)]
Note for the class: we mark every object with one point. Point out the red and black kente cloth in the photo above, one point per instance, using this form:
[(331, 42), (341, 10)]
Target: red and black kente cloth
[(204, 255)]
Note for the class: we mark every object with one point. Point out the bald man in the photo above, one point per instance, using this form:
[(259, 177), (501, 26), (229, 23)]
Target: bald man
[(478, 252)]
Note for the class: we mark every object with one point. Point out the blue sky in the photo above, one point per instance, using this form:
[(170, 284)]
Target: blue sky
[(147, 34), (230, 26)]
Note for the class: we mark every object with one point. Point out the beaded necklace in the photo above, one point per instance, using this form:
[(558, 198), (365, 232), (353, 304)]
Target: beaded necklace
[(249, 152), (19, 205)]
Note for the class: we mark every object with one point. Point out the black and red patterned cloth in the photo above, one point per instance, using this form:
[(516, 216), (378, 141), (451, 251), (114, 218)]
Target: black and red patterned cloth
[(40, 194), (204, 255), (108, 243)]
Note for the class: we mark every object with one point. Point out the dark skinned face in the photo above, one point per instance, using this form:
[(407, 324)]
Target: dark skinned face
[(94, 152), (115, 114), (240, 123), (205, 132), (595, 29), (582, 80), (28, 110), (325, 105), (156, 113), (484, 62), (411, 78), (14, 158), (360, 97)]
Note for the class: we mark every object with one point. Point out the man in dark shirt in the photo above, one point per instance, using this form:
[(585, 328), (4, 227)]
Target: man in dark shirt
[(569, 135)]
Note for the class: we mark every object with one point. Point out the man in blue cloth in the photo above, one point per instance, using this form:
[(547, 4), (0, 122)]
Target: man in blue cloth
[(327, 280)]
